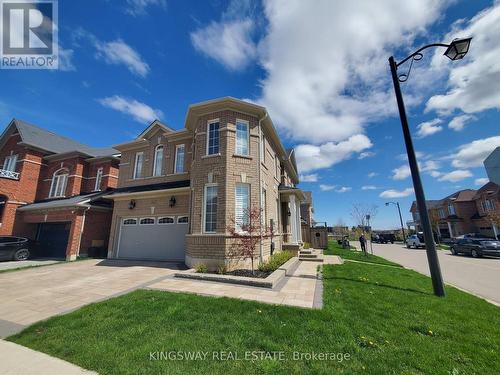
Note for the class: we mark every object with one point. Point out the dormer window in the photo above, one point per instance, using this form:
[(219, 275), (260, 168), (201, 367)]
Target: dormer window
[(98, 179), (213, 138), (59, 182), (158, 161)]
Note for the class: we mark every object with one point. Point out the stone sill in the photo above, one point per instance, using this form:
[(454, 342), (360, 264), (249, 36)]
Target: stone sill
[(269, 282)]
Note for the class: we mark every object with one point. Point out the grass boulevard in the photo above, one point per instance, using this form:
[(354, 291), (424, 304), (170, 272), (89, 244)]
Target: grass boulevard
[(375, 320)]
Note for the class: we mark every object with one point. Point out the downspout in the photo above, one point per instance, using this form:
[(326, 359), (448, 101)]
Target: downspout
[(81, 230), (261, 258)]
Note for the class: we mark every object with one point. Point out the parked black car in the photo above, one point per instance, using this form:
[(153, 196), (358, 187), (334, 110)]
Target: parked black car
[(14, 248), (476, 247), (383, 238)]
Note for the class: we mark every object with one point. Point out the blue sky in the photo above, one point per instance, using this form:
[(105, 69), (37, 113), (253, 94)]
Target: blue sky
[(319, 67)]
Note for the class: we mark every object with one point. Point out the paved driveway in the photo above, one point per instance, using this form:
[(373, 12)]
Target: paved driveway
[(28, 296), (479, 276)]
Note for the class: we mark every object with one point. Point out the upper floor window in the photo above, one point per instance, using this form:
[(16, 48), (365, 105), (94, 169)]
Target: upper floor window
[(139, 160), (441, 213), (417, 216), (158, 161), (242, 204), (59, 182), (490, 206), (210, 208), (98, 179), (451, 209), (213, 138), (179, 159), (10, 163), (242, 138), (262, 148)]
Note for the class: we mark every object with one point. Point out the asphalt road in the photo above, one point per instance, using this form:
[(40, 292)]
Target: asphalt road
[(479, 276)]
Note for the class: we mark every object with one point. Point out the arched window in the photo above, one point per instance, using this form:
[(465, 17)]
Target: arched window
[(158, 161), (59, 182)]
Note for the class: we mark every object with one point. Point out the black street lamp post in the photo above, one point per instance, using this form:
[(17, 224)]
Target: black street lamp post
[(456, 50), (400, 218)]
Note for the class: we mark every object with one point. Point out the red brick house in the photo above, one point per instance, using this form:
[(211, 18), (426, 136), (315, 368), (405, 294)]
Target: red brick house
[(51, 188)]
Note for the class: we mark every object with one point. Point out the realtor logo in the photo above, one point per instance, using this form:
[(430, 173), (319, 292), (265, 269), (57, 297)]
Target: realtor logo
[(28, 37)]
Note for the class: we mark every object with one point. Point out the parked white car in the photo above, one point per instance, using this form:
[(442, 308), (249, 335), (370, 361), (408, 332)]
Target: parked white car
[(416, 241)]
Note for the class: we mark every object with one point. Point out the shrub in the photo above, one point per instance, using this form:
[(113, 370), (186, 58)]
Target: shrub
[(275, 261), (307, 245), (201, 268), (221, 269)]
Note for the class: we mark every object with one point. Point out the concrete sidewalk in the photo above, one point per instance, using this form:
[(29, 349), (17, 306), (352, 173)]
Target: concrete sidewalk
[(16, 359)]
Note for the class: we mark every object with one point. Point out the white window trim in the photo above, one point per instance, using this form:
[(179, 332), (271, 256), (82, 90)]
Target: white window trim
[(63, 188), (236, 137), (262, 148), (137, 154), (177, 147), (98, 179), (166, 217), (130, 218), (155, 167), (179, 217), (215, 121), (248, 203), (147, 218), (263, 202), (204, 216)]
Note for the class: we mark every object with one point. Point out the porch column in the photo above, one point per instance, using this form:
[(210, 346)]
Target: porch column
[(293, 221), (449, 228), (299, 223)]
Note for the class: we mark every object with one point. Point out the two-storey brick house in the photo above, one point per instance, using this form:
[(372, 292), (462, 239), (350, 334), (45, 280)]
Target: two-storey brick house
[(487, 216), (180, 190), (51, 188)]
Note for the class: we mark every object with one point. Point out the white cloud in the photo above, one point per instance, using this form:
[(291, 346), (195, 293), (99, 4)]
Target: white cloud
[(429, 128), (401, 172), (456, 175), (369, 187), (481, 181), (139, 7), (120, 53), (325, 187), (428, 165), (473, 154), (140, 112), (343, 189), (312, 157), (458, 123), (392, 193), (435, 173), (228, 42), (372, 174), (66, 60), (473, 81), (366, 154), (313, 177)]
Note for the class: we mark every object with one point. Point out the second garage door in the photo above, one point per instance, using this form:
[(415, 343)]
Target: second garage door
[(153, 238)]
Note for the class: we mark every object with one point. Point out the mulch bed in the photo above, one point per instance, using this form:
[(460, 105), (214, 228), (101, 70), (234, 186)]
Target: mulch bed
[(248, 273)]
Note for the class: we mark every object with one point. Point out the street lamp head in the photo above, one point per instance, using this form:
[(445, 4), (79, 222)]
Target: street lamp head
[(386, 203), (458, 48)]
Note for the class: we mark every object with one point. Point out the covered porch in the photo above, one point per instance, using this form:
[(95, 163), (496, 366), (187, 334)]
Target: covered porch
[(290, 199)]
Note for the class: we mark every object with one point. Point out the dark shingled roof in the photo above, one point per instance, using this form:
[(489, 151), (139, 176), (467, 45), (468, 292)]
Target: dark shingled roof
[(43, 139)]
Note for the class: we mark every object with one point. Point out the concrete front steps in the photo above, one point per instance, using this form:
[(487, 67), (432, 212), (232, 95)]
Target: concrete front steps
[(311, 255)]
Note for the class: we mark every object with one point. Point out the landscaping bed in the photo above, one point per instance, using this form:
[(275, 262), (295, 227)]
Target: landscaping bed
[(385, 318)]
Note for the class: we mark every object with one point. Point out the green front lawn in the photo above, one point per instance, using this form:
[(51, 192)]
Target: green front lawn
[(384, 318), (352, 254)]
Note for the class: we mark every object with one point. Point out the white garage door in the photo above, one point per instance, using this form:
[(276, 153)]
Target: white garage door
[(155, 238)]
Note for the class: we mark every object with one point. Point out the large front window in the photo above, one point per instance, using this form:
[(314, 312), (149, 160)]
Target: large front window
[(179, 159), (213, 138), (210, 208), (10, 163), (242, 204), (139, 159), (59, 182), (242, 138), (451, 209), (158, 162), (490, 205)]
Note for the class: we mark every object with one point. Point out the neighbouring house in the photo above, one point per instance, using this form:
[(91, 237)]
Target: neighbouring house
[(487, 216), (492, 166), (180, 190), (465, 211), (51, 190)]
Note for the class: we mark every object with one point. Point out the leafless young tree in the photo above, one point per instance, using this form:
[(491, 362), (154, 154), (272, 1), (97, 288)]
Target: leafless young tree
[(359, 211)]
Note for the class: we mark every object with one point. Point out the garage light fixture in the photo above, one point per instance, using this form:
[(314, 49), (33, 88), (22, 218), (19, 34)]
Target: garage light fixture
[(172, 201), (131, 204)]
